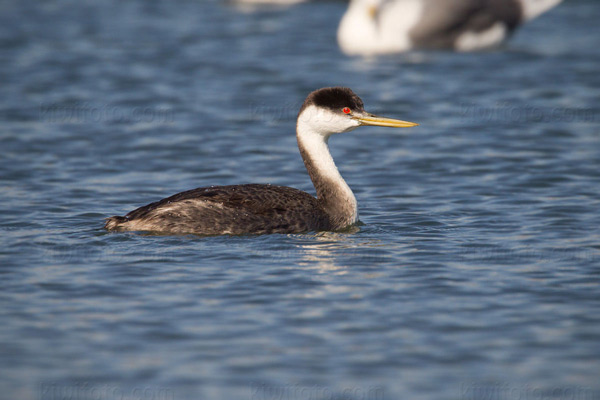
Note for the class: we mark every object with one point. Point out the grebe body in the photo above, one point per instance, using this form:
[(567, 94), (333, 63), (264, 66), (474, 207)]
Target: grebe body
[(261, 209)]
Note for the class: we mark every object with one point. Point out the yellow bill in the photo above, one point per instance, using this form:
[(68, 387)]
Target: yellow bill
[(370, 119)]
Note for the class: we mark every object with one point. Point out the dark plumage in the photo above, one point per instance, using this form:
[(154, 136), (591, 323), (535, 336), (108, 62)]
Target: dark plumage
[(235, 210), (333, 99), (444, 22)]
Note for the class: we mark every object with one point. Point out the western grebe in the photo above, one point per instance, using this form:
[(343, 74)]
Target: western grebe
[(260, 209), (372, 27)]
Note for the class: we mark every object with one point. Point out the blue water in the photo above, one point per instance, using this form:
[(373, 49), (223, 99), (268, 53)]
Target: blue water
[(475, 271)]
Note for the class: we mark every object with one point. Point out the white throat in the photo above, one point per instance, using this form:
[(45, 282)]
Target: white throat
[(314, 128)]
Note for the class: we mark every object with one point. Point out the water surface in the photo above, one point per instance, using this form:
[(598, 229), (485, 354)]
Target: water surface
[(474, 273)]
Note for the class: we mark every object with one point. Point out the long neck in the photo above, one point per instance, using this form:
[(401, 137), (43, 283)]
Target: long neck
[(333, 193)]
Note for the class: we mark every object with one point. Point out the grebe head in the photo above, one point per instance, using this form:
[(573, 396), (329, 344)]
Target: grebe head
[(336, 110)]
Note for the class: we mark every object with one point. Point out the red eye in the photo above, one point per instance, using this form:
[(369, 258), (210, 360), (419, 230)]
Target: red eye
[(346, 110)]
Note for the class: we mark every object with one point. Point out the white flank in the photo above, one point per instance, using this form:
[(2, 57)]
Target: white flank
[(178, 208), (473, 41)]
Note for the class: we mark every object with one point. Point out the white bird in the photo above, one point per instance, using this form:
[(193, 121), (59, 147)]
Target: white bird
[(371, 27), (258, 209)]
